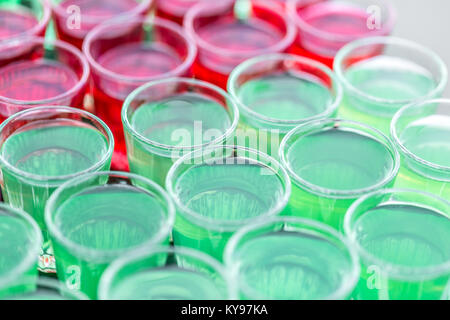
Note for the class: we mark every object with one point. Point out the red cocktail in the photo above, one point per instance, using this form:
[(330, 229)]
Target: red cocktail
[(231, 32), (325, 26), (125, 54), (75, 18), (41, 73), (20, 18)]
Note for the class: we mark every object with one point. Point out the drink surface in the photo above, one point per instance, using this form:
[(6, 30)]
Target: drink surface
[(287, 265), (15, 20), (340, 160), (286, 96), (236, 36), (168, 283), (36, 80), (405, 235), (173, 121), (110, 217), (227, 192), (59, 149), (427, 138)]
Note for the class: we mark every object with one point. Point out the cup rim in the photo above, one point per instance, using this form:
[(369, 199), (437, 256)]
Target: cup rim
[(108, 276), (107, 255), (82, 81), (57, 110), (154, 21), (193, 82), (291, 9), (140, 8), (281, 45), (32, 254), (51, 284), (329, 232), (361, 128), (388, 40), (39, 27), (399, 271), (228, 225), (395, 134), (232, 87)]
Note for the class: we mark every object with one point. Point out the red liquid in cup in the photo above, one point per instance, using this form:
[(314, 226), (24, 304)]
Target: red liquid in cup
[(35, 80), (132, 60), (231, 34), (174, 9), (13, 23), (335, 19), (92, 13)]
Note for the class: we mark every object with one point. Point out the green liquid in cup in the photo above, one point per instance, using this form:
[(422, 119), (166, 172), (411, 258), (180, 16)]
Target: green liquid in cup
[(286, 96), (403, 235), (222, 193), (184, 120), (52, 151), (428, 139), (166, 284), (103, 218), (386, 78), (287, 266), (336, 160)]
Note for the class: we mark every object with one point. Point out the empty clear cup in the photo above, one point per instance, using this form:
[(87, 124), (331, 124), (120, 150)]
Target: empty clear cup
[(421, 133), (334, 162), (220, 189), (277, 92), (291, 259), (165, 274), (99, 217), (402, 237), (393, 73)]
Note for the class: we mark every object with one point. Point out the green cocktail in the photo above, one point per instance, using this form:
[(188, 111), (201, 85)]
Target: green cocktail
[(218, 190), (277, 92), (43, 147), (99, 217), (166, 119), (165, 274), (291, 258), (403, 238), (332, 163), (395, 73), (421, 133), (20, 243)]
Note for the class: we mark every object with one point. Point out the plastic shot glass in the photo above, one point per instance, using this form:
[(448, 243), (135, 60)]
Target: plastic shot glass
[(20, 243), (233, 31), (75, 18), (395, 72), (326, 26), (166, 119), (421, 133), (99, 217), (127, 53), (165, 273), (402, 237), (277, 92), (37, 72), (43, 289), (23, 18), (43, 147), (332, 163), (291, 259), (218, 190)]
